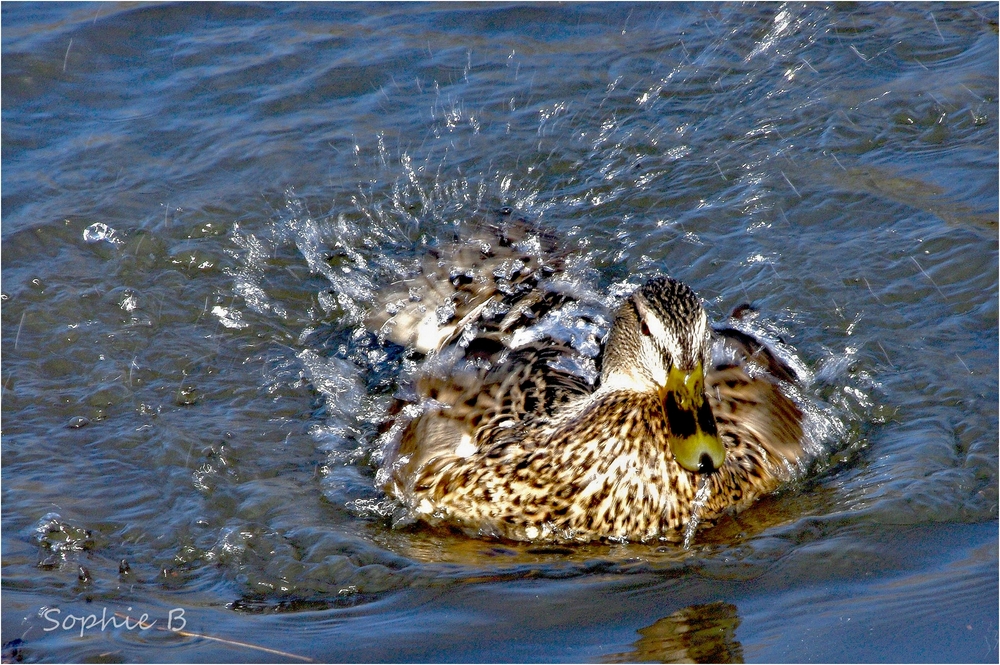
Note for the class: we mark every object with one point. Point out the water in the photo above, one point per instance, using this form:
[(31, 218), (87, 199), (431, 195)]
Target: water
[(699, 502), (200, 202)]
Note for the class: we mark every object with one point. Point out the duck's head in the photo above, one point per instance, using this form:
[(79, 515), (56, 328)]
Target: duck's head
[(659, 343)]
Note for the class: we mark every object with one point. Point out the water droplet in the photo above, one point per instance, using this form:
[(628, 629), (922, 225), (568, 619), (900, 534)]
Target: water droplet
[(187, 396), (230, 318), (99, 231), (700, 498)]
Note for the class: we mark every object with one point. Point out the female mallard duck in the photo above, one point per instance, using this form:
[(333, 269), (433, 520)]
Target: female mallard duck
[(503, 438)]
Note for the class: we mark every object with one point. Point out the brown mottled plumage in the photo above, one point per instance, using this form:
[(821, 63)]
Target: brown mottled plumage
[(510, 442)]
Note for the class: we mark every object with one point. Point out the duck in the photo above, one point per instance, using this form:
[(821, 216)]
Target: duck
[(504, 431)]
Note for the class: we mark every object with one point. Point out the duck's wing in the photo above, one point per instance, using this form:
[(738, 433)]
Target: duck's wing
[(466, 410), (749, 348), (760, 422), (534, 381), (462, 309), (489, 281)]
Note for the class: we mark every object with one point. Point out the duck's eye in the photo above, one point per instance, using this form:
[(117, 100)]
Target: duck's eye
[(645, 329)]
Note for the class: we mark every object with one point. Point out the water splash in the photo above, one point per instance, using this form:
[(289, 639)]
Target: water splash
[(99, 231), (700, 499)]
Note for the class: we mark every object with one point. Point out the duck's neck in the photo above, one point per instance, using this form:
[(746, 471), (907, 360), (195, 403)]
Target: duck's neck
[(635, 382)]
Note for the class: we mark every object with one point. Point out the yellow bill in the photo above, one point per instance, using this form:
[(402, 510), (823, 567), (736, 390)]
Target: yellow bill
[(694, 439)]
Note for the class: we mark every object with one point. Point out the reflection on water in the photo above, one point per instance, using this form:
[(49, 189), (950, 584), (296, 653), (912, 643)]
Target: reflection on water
[(695, 634), (881, 181)]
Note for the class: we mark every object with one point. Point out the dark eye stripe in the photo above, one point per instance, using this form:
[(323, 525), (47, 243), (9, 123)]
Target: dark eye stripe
[(643, 328)]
